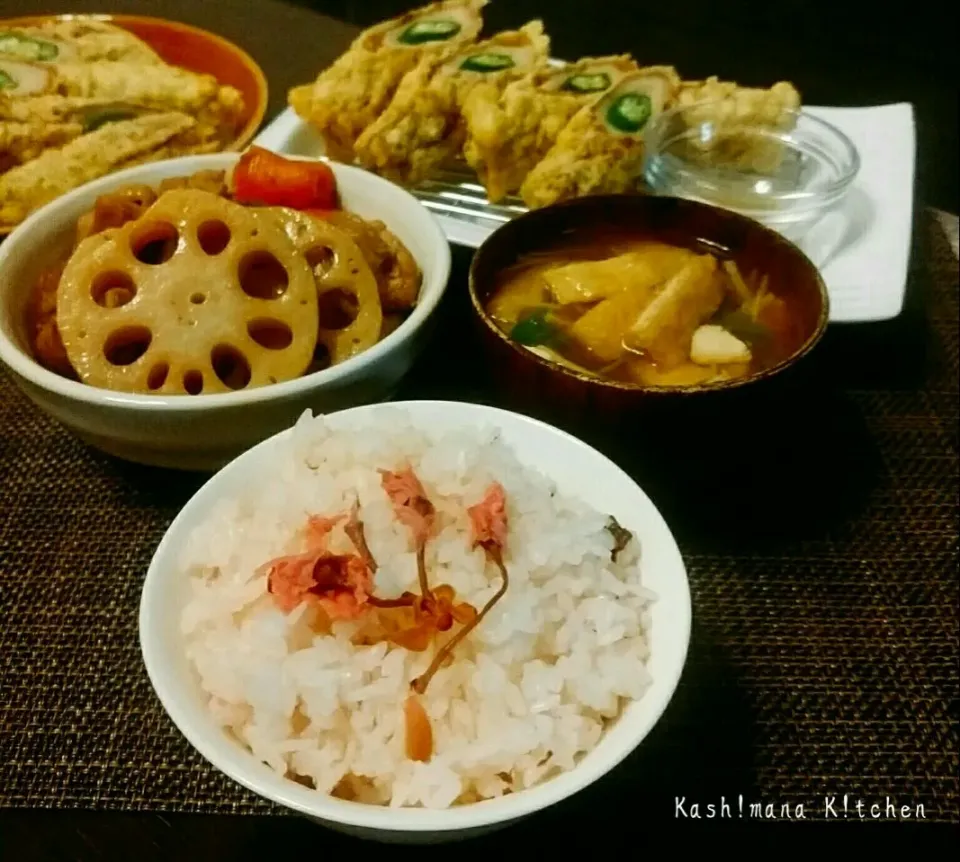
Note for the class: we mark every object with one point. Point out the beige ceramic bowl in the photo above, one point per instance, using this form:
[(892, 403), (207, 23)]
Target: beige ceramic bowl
[(203, 432)]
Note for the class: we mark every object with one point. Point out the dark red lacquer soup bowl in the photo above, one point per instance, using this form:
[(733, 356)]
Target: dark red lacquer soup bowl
[(609, 341)]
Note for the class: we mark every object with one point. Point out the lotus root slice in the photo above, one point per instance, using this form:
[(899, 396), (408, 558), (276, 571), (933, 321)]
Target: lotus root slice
[(177, 301), (350, 312)]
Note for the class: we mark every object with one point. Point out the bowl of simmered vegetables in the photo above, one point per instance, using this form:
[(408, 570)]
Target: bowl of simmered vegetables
[(179, 312), (601, 303)]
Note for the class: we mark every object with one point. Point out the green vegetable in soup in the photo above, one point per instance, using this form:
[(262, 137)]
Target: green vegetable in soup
[(534, 327), (27, 48), (595, 83), (739, 324), (429, 31), (7, 82), (487, 63), (629, 113)]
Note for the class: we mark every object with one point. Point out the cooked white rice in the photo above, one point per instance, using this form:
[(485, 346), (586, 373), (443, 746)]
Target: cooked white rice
[(531, 688)]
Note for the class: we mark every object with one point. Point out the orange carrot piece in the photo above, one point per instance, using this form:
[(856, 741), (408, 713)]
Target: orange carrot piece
[(263, 177), (419, 733)]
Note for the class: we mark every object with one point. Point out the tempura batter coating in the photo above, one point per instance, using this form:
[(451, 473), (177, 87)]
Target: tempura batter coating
[(87, 40), (348, 96), (51, 108), (729, 101), (423, 127), (192, 141), (24, 188), (592, 154), (508, 132), (728, 106), (217, 108), (21, 142), (150, 86)]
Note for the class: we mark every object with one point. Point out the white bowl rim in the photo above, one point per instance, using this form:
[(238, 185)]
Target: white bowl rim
[(225, 755), (31, 370)]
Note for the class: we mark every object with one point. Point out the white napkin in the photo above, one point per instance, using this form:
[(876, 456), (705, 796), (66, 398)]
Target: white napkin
[(866, 271)]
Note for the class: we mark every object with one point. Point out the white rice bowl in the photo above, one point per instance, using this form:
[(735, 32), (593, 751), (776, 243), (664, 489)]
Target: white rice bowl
[(532, 690)]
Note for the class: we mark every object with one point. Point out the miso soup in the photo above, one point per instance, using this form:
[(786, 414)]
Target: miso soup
[(644, 312)]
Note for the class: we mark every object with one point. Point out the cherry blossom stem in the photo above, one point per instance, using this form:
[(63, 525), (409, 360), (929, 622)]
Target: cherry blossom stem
[(355, 532), (422, 569), (401, 602), (419, 685)]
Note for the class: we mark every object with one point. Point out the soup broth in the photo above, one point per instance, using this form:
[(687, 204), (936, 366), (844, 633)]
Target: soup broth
[(641, 311)]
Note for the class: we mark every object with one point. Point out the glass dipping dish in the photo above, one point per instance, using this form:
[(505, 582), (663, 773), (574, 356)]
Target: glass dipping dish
[(785, 173)]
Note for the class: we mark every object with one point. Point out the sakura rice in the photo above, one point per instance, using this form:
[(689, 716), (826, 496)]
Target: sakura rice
[(296, 642)]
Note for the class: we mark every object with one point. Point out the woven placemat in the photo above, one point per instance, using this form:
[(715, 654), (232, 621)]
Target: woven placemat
[(820, 531)]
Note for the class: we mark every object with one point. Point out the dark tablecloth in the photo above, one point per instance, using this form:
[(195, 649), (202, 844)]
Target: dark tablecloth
[(819, 527)]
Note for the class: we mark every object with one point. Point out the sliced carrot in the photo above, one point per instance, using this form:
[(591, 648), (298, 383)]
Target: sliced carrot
[(419, 733), (266, 178)]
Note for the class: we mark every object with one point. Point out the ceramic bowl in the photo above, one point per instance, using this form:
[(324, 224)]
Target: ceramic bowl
[(537, 385), (578, 470), (203, 432)]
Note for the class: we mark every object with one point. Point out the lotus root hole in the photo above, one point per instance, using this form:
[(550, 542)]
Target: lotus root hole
[(193, 382), (388, 263), (321, 259), (198, 298), (157, 376), (125, 346), (154, 243), (337, 308), (321, 358), (213, 236), (112, 289), (230, 366), (271, 334), (262, 276)]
